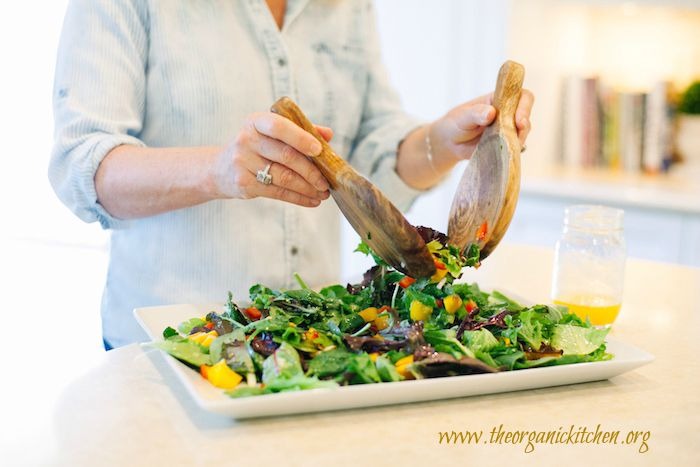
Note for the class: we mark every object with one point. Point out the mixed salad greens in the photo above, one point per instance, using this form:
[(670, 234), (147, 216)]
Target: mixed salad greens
[(387, 328)]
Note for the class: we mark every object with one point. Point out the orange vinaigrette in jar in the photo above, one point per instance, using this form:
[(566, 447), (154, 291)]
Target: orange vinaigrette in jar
[(589, 263), (598, 310)]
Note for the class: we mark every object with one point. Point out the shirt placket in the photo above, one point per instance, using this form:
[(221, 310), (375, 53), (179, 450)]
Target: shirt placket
[(282, 85)]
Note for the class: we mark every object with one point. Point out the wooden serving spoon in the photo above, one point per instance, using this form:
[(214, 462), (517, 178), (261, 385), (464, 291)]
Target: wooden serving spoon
[(378, 222), (488, 191)]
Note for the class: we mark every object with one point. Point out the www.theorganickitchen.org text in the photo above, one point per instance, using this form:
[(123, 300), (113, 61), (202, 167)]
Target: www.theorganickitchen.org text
[(571, 435)]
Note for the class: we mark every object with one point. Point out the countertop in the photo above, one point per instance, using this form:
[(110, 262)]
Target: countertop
[(678, 190), (130, 409)]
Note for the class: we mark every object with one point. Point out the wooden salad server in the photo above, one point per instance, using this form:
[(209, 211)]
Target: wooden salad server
[(488, 191), (378, 222)]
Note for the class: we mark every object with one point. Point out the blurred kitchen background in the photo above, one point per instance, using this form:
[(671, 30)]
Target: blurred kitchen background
[(606, 75)]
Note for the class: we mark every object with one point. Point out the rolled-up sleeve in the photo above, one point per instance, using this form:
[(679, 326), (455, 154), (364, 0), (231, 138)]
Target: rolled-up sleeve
[(384, 125), (98, 97)]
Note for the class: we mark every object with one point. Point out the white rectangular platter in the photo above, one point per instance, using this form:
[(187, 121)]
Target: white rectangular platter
[(155, 319)]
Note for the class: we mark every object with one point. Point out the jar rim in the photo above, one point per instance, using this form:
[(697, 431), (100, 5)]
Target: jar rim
[(593, 217)]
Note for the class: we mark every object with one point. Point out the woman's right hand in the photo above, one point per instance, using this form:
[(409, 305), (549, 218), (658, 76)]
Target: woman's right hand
[(267, 138)]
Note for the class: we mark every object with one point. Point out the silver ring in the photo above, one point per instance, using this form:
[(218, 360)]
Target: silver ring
[(263, 176), (523, 149)]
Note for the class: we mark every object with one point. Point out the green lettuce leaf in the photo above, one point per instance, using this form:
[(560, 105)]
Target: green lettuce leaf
[(486, 358), (497, 299), (577, 340), (298, 382), (245, 391), (184, 349), (508, 357), (295, 383), (364, 369), (387, 371), (480, 340), (169, 332), (284, 363), (544, 361), (445, 340), (330, 363), (367, 251), (217, 345), (186, 326), (531, 328), (234, 348)]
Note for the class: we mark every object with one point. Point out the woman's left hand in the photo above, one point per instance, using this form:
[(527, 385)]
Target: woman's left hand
[(456, 135)]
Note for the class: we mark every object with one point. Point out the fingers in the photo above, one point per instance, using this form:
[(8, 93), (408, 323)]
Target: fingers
[(474, 115), (271, 143), (286, 131), (284, 142), (522, 115), (470, 120), (284, 177), (326, 132), (287, 156), (484, 99), (254, 189), (284, 194)]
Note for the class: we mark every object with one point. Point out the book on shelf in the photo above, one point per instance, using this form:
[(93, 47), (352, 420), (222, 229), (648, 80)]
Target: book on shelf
[(631, 130), (610, 147), (591, 123), (657, 129), (604, 127)]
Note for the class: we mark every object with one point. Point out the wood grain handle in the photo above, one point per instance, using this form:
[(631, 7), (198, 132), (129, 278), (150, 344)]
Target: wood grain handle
[(328, 162), (290, 110), (376, 220), (507, 94)]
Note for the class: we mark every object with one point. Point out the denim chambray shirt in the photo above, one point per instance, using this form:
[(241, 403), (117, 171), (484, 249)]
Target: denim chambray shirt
[(165, 73)]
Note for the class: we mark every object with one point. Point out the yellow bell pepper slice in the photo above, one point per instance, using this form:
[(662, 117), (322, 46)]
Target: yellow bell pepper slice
[(402, 366), (369, 314), (197, 337), (452, 303), (381, 322), (209, 338), (221, 376), (439, 275), (419, 311)]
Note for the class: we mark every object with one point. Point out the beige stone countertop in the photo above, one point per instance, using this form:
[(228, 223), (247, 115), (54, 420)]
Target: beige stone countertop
[(677, 190), (130, 410)]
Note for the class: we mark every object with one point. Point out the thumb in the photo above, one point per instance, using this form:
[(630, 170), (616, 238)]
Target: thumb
[(471, 119)]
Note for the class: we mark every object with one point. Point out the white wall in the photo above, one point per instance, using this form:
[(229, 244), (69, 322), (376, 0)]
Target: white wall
[(28, 48), (52, 265)]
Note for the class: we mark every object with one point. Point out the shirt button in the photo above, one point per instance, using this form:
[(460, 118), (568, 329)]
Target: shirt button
[(294, 250), (281, 62)]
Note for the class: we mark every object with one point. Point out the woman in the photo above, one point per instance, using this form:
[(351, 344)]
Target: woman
[(162, 136)]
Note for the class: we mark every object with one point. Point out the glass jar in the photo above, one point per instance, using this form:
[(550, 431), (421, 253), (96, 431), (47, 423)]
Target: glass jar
[(589, 263)]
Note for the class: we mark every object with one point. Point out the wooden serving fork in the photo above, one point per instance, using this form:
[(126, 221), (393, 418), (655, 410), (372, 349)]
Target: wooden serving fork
[(487, 194), (378, 222)]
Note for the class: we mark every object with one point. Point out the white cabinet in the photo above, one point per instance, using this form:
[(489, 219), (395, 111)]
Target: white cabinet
[(690, 238)]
